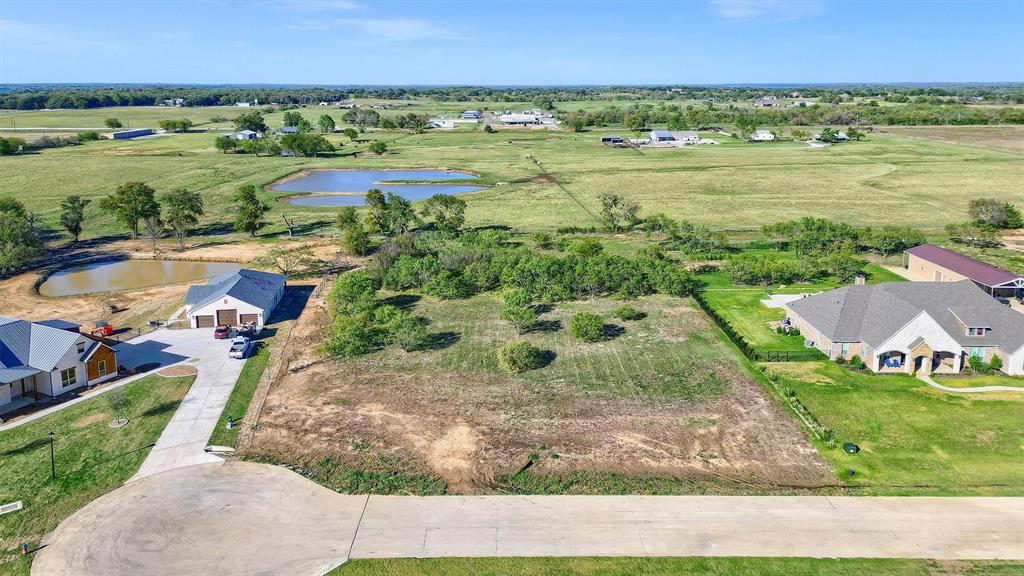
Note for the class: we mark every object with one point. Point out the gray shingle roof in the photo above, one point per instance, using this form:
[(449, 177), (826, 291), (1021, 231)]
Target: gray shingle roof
[(872, 314), (27, 348), (250, 286)]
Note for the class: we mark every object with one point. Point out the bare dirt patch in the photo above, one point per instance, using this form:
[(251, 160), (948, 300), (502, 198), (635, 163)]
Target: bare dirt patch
[(91, 419), (471, 427), (179, 370)]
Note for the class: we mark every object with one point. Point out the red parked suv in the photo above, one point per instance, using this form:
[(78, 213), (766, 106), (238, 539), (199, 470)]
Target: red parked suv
[(222, 332)]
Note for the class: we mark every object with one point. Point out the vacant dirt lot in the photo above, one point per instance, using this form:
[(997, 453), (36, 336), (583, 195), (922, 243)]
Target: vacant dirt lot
[(1008, 138), (417, 413)]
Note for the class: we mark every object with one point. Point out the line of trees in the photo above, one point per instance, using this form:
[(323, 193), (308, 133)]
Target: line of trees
[(42, 96)]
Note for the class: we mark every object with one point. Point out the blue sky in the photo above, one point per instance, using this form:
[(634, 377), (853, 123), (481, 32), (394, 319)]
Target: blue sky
[(503, 43)]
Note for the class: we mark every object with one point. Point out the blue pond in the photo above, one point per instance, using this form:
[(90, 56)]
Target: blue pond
[(341, 182)]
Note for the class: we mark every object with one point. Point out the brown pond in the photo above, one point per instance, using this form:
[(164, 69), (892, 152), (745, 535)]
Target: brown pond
[(115, 275)]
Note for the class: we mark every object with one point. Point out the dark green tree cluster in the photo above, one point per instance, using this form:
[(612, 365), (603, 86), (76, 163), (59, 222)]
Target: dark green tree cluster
[(816, 236), (309, 145), (361, 324), (354, 238), (481, 261), (19, 238), (182, 125), (771, 270)]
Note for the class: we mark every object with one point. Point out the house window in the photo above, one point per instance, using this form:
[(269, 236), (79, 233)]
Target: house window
[(81, 347), (101, 367), (68, 377), (845, 349), (975, 331), (978, 352)]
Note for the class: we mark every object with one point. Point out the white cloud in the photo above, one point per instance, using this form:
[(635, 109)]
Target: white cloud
[(776, 9), (45, 38), (391, 29)]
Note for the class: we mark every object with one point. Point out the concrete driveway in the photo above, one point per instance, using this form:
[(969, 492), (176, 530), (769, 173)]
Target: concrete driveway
[(239, 518), (184, 440)]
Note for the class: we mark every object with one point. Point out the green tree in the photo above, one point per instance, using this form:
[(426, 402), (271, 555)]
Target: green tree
[(348, 217), (389, 215), (304, 126), (291, 118), (225, 144), (355, 241), (309, 145), (250, 121), (352, 293), (250, 211), (351, 134), (1013, 216), (517, 310), (326, 123), (182, 209), (617, 213), (130, 203), (72, 214), (19, 243), (449, 212), (854, 134), (12, 205), (112, 123), (378, 147)]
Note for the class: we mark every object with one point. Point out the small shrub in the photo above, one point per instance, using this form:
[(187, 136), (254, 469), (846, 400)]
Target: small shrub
[(543, 240), (520, 357), (794, 331), (840, 360), (378, 147), (856, 362), (89, 135), (627, 312), (780, 330), (587, 327), (996, 363), (979, 365), (355, 241)]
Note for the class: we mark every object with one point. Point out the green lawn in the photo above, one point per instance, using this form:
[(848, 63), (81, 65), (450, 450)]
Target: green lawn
[(669, 353), (980, 380), (91, 459), (741, 307), (241, 396), (672, 566), (914, 439)]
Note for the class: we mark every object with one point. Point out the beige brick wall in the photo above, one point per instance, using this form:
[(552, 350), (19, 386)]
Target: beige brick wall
[(930, 272), (808, 331)]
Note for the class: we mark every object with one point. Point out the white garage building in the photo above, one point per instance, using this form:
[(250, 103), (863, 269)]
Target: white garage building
[(242, 297)]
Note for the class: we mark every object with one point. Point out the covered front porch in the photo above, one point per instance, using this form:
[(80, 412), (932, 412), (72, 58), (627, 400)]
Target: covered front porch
[(921, 357)]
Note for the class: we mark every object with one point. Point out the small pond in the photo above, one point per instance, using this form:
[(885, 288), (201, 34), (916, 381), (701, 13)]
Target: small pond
[(113, 275), (345, 187)]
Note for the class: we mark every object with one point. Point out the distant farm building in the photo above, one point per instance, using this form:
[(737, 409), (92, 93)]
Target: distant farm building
[(762, 136), (471, 115), (441, 122), (242, 297), (615, 140), (515, 119), (243, 135), (128, 134)]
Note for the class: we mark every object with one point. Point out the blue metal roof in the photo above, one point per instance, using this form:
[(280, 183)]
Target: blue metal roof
[(60, 324), (27, 347)]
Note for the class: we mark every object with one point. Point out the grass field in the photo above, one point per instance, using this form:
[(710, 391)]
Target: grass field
[(662, 355), (893, 179), (671, 567), (91, 459), (914, 439)]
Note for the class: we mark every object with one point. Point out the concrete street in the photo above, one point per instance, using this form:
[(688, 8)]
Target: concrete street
[(245, 518)]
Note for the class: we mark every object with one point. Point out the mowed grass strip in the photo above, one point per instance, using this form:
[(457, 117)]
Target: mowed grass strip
[(914, 439), (672, 566), (91, 459)]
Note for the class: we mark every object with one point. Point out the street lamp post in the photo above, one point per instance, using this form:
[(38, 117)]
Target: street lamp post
[(53, 465)]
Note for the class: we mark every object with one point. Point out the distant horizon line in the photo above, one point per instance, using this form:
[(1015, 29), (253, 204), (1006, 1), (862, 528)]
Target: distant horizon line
[(23, 85)]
